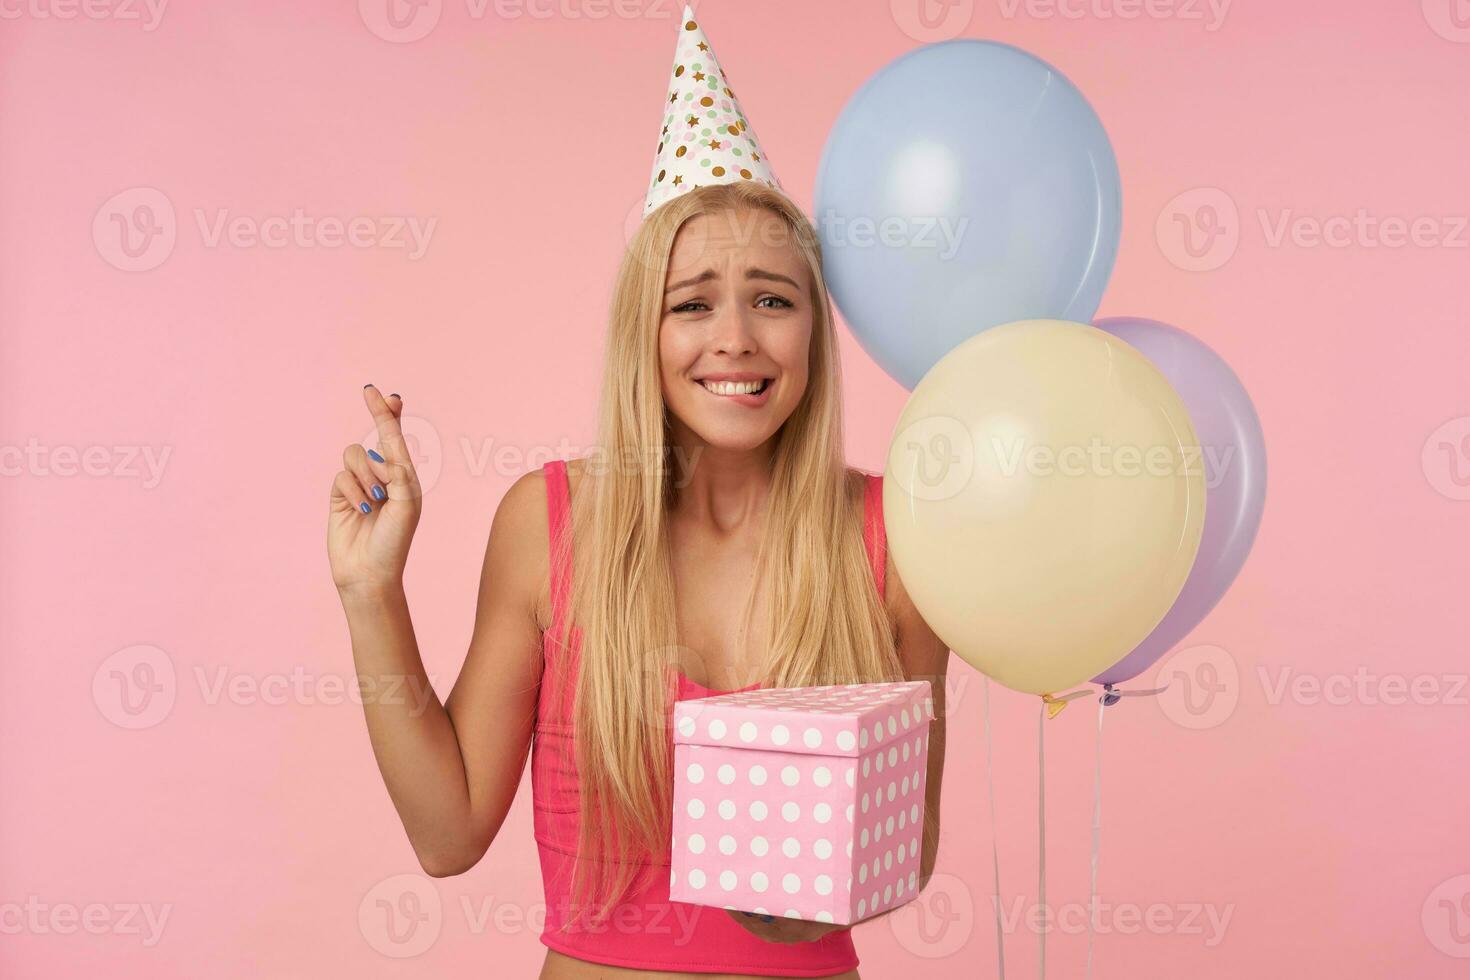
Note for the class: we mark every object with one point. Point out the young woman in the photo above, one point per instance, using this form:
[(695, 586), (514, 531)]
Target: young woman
[(716, 542)]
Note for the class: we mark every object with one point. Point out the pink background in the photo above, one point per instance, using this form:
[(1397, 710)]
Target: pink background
[(1326, 819)]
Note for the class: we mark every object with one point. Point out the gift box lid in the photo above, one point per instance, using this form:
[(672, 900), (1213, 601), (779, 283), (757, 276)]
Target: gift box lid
[(835, 719)]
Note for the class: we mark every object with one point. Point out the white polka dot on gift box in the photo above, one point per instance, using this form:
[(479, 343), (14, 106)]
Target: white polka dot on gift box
[(890, 790), (751, 826), (735, 854)]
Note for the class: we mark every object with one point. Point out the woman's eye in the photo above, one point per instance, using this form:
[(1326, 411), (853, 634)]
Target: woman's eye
[(695, 304)]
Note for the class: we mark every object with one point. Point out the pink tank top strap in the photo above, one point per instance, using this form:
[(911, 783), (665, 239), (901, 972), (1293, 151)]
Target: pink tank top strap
[(874, 536)]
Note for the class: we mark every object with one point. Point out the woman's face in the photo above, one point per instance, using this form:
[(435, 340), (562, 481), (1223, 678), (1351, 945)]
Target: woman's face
[(737, 314)]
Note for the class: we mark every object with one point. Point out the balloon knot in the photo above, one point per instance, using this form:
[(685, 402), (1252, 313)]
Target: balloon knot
[(1055, 704)]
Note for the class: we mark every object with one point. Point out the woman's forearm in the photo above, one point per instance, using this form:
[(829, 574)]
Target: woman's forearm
[(412, 735)]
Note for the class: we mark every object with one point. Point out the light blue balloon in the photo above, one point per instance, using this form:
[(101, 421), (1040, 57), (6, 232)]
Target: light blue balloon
[(967, 184)]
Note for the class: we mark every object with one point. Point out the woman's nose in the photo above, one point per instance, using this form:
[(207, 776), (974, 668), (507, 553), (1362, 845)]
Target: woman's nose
[(732, 332)]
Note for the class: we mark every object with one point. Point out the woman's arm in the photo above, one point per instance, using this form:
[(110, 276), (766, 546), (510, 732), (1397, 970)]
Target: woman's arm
[(925, 657), (450, 768)]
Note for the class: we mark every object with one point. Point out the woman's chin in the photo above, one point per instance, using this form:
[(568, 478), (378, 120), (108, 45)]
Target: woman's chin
[(723, 436), (738, 442)]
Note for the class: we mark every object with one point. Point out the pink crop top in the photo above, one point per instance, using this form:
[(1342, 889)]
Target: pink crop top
[(647, 930)]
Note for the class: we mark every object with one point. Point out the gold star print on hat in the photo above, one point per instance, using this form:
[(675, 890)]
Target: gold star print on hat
[(705, 139)]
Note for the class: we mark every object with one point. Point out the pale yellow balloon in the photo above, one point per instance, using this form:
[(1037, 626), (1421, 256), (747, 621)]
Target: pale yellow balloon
[(1044, 500)]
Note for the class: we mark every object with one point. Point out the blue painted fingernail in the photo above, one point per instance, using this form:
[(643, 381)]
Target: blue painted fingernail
[(365, 508), (378, 493), (374, 454), (768, 918), (747, 914)]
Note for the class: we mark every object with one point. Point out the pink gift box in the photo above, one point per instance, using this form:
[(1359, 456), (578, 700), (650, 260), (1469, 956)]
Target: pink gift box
[(806, 802)]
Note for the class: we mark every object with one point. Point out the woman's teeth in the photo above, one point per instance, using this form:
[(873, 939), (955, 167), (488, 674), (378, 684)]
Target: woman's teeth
[(734, 387)]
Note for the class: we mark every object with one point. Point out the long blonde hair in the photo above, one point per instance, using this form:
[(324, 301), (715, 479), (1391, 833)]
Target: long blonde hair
[(827, 623)]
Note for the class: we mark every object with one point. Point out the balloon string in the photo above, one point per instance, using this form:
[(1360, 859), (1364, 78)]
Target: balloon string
[(1000, 949), (1041, 830), (1111, 695), (1096, 836)]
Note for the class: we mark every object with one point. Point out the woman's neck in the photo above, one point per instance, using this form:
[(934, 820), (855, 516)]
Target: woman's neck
[(722, 490)]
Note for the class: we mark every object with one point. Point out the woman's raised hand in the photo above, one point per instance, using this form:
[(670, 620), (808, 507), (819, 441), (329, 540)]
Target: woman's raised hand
[(375, 506)]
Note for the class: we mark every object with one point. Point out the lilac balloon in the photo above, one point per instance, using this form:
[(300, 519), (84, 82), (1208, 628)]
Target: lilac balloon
[(1234, 452)]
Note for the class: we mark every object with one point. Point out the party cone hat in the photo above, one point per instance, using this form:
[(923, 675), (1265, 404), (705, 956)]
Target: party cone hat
[(706, 138)]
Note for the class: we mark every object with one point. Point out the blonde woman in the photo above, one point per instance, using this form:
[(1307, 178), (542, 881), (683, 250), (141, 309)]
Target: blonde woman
[(717, 542)]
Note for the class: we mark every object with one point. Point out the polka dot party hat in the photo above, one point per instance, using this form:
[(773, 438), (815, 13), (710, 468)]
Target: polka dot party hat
[(706, 138)]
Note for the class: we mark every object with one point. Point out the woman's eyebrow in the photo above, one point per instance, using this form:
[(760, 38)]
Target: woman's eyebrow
[(774, 276), (709, 274), (704, 276)]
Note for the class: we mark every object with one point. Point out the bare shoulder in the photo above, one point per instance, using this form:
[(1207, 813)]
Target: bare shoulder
[(526, 513), (523, 511), (519, 538)]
